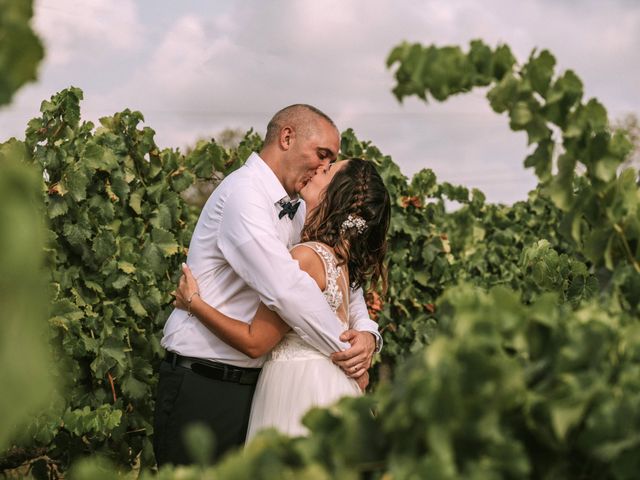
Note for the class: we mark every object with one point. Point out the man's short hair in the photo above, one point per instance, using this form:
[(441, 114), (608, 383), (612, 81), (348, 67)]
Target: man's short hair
[(300, 116)]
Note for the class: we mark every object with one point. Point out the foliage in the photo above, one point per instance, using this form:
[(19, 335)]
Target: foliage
[(431, 250), (25, 375), (602, 217), (118, 230), (630, 123), (520, 391), (20, 49)]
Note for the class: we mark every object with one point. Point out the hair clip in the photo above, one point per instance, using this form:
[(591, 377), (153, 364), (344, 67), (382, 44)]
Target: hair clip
[(353, 221)]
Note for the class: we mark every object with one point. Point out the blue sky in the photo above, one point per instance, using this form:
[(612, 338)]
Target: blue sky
[(196, 67)]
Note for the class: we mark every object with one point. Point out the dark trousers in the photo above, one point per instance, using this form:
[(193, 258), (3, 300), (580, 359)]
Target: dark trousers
[(184, 398)]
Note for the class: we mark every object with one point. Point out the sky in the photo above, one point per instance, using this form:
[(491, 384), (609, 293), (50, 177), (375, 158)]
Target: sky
[(196, 67)]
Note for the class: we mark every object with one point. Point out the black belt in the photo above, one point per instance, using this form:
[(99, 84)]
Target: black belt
[(215, 370)]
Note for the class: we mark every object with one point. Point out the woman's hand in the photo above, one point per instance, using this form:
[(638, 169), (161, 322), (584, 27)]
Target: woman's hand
[(187, 288), (363, 381)]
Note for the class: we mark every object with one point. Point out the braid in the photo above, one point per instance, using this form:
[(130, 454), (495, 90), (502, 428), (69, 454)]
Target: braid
[(360, 190), (357, 189)]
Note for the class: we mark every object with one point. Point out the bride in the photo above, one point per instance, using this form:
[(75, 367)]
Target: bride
[(343, 247)]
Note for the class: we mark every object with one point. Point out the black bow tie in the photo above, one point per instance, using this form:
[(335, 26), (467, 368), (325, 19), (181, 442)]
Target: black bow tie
[(288, 208)]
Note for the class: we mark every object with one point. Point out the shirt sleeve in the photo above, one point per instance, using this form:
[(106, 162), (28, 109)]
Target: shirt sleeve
[(359, 317), (249, 242)]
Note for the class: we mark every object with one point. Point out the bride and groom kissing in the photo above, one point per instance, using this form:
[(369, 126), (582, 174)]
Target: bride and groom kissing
[(270, 318)]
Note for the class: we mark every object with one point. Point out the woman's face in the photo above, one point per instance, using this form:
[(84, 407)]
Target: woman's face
[(311, 192)]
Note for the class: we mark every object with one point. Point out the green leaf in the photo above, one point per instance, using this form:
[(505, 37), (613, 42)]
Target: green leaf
[(66, 309), (539, 71), (582, 288), (503, 61), (135, 201), (126, 267), (595, 243), (421, 278), (606, 168), (119, 185), (96, 157), (111, 354), (136, 306), (560, 188), (520, 115), (57, 206), (596, 115), (201, 161), (481, 57), (13, 150), (21, 50), (397, 54), (162, 218), (101, 209), (502, 95), (75, 234), (424, 182), (165, 241), (104, 245), (120, 282), (134, 387), (565, 416), (541, 159)]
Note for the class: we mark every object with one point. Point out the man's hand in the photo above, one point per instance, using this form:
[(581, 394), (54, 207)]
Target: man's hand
[(356, 360)]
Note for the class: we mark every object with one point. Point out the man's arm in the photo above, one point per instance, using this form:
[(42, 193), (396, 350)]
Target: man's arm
[(249, 242), (363, 337)]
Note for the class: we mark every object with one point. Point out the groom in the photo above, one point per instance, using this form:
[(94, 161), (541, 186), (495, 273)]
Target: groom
[(239, 253)]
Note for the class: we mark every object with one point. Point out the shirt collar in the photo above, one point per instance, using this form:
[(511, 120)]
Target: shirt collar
[(276, 192)]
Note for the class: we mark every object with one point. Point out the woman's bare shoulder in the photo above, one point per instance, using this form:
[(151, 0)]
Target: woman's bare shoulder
[(310, 262)]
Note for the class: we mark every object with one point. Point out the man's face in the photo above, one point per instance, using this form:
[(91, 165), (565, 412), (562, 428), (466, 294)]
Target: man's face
[(318, 184), (307, 154)]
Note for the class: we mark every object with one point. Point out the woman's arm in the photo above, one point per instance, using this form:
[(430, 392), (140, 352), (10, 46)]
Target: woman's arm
[(266, 329), (254, 340)]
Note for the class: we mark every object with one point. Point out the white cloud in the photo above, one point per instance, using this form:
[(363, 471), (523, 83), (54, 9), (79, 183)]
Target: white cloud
[(236, 63), (74, 28)]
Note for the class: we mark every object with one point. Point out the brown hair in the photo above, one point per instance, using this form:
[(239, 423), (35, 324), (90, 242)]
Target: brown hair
[(358, 190)]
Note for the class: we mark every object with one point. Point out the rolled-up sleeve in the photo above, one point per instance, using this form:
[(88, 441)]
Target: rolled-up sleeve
[(249, 242)]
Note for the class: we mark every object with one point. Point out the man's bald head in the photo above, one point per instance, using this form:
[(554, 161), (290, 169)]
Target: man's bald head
[(301, 117)]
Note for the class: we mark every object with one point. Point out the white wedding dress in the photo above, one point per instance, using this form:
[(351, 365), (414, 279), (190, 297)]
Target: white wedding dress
[(296, 376)]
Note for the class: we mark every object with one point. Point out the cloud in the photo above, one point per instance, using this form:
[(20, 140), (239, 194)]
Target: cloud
[(74, 29), (233, 64)]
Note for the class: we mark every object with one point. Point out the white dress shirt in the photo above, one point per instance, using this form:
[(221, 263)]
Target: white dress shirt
[(239, 253)]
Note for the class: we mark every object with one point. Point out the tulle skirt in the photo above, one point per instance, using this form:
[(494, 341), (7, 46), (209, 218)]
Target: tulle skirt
[(288, 388)]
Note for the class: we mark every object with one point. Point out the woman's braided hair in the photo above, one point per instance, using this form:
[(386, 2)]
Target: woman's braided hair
[(356, 190)]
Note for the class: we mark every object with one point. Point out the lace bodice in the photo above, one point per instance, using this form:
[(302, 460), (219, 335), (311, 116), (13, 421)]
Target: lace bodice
[(336, 293), (332, 292)]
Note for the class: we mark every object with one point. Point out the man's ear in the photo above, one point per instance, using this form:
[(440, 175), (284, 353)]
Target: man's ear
[(287, 135)]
